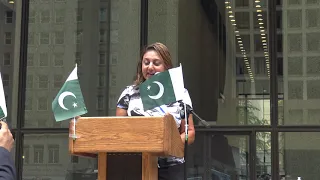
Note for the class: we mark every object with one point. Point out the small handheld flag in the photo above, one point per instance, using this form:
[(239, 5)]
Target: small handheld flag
[(69, 102), (162, 88), (3, 106)]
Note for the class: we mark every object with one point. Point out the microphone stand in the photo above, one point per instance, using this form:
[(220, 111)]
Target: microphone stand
[(184, 115), (204, 122), (188, 109)]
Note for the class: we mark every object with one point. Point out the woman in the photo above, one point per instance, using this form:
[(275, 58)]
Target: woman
[(156, 58)]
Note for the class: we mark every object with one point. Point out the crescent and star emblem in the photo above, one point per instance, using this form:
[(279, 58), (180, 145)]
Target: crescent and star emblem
[(64, 95), (160, 93)]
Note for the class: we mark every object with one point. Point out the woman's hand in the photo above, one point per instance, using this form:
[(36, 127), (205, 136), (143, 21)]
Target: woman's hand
[(6, 139)]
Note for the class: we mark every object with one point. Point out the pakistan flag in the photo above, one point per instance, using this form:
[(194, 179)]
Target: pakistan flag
[(3, 106), (69, 101), (162, 88)]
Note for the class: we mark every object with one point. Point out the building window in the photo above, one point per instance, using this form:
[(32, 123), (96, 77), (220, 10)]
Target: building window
[(260, 66), (258, 44), (114, 36), (6, 80), (43, 81), (29, 81), (38, 154), (279, 20), (9, 17), (58, 59), (103, 14), (53, 157), (30, 59), (78, 58), (45, 16), (114, 16), (30, 38), (78, 36), (8, 38), (42, 104), (58, 81), (114, 59), (242, 3), (26, 155), (242, 20), (44, 38), (113, 81), (100, 103), (60, 15), (241, 67), (7, 59), (28, 104), (102, 59), (32, 17), (103, 37), (79, 13), (101, 80), (44, 59), (59, 38)]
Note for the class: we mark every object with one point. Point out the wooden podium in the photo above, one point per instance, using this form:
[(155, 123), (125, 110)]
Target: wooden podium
[(151, 136)]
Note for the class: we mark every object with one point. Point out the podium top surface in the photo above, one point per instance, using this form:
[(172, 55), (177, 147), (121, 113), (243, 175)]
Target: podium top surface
[(158, 135)]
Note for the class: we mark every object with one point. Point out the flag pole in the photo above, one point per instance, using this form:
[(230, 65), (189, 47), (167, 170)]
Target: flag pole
[(74, 129), (186, 119), (186, 141)]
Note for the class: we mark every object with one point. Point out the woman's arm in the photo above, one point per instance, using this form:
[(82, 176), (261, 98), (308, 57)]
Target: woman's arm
[(191, 130), (121, 112)]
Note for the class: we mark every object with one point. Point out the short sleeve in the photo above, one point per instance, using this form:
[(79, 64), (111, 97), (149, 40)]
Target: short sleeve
[(186, 98), (123, 101)]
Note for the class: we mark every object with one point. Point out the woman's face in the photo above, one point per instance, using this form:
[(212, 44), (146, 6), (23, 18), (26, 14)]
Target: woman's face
[(151, 63)]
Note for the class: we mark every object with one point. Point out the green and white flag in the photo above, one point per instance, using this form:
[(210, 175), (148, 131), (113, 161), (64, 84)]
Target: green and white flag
[(69, 101), (162, 88), (3, 106)]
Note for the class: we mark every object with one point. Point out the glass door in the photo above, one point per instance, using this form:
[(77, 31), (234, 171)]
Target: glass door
[(220, 156)]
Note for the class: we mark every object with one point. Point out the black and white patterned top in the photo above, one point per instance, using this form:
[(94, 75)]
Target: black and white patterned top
[(130, 100)]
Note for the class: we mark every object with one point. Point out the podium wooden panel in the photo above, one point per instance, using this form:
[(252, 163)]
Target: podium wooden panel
[(151, 136)]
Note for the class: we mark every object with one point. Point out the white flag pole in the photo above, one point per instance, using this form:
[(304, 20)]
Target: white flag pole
[(73, 135), (186, 117), (186, 140), (186, 121), (74, 128)]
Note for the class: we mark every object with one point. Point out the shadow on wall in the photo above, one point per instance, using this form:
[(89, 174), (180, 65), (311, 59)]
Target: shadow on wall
[(202, 51)]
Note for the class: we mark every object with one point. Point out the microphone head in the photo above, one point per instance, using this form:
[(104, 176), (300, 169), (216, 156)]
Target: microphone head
[(182, 114)]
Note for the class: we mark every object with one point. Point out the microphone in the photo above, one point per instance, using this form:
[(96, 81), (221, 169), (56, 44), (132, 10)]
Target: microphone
[(190, 110)]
